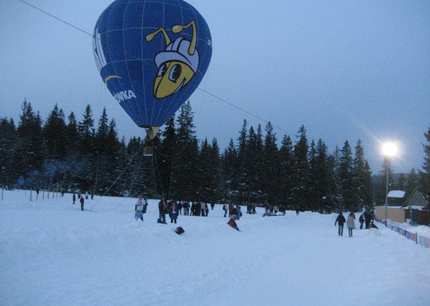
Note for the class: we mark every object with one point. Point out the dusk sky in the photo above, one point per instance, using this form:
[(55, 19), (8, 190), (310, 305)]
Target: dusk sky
[(345, 69)]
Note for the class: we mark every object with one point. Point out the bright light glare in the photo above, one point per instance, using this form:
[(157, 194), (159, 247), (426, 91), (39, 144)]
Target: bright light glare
[(390, 149)]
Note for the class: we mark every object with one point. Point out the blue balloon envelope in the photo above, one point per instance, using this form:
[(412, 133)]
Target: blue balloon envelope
[(151, 55)]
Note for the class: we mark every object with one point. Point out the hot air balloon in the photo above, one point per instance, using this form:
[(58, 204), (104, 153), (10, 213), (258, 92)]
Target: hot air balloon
[(151, 55)]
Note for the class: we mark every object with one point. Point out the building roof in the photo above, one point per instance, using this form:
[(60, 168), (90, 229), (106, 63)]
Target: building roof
[(396, 194)]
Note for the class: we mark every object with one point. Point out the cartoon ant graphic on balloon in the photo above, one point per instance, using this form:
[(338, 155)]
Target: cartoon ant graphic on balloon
[(178, 63)]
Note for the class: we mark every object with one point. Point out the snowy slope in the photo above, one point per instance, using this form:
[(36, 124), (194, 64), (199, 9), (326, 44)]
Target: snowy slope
[(52, 254)]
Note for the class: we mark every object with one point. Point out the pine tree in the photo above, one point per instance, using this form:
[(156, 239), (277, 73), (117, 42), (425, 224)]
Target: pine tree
[(8, 139), (426, 167), (107, 156), (301, 171), (166, 155), (334, 197), (323, 179), (252, 166), (243, 170), (313, 192), (208, 168), (72, 135), (30, 150), (102, 133), (286, 165), (215, 173), (185, 165), (54, 133), (86, 132), (346, 179), (87, 147), (362, 178), (271, 174), (230, 170)]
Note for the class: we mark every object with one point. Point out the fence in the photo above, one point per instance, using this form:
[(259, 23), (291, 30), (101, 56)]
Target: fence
[(421, 240)]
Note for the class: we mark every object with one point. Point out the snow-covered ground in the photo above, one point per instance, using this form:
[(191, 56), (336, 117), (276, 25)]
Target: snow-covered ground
[(52, 254)]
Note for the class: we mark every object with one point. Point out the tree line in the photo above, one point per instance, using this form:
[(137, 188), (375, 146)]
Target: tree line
[(257, 167)]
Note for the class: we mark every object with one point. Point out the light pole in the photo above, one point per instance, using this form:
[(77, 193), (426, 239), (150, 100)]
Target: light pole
[(389, 150)]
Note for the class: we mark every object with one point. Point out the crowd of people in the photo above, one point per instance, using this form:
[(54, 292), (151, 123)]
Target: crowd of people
[(366, 218), (174, 208)]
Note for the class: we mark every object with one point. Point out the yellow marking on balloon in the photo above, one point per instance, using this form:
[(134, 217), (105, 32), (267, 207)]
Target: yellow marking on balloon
[(112, 77)]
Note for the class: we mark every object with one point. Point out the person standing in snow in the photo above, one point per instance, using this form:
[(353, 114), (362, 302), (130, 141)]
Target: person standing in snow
[(179, 208), (202, 209), (350, 223), (173, 212), (138, 209), (230, 209), (74, 199), (82, 200), (233, 213), (225, 209), (238, 212), (361, 220), (340, 221), (367, 219), (186, 206), (162, 206)]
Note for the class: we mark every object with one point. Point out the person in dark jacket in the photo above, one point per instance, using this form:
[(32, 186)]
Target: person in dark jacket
[(367, 219), (162, 207), (179, 208), (74, 199), (238, 212), (82, 200), (233, 212), (186, 206), (230, 210), (361, 220), (340, 221)]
